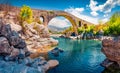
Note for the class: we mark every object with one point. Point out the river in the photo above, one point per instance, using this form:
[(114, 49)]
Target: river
[(79, 56)]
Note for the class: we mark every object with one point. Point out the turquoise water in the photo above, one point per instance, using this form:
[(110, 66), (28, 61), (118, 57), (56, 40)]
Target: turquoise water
[(79, 56)]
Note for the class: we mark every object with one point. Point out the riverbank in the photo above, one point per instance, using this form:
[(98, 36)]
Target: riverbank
[(23, 53), (55, 35), (111, 48), (79, 37)]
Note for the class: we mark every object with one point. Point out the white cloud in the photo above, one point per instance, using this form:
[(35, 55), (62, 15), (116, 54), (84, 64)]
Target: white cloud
[(71, 9), (118, 2), (79, 9), (105, 8), (94, 13), (59, 22), (84, 17), (105, 20), (105, 15)]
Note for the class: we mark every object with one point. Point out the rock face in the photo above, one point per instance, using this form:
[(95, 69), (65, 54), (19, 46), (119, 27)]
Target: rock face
[(9, 40), (38, 37), (14, 55), (111, 48), (37, 29), (4, 46), (86, 35), (53, 63)]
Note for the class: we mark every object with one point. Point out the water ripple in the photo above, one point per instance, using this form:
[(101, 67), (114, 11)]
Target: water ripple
[(81, 56)]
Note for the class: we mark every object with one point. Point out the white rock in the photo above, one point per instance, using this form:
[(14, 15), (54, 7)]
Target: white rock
[(53, 63)]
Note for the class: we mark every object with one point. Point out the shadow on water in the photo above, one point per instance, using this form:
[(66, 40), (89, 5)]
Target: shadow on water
[(79, 56), (112, 69)]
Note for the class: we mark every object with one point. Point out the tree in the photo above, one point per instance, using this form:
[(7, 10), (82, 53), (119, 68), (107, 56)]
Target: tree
[(114, 24), (26, 14)]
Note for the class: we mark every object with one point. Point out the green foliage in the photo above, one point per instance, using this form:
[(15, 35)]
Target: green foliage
[(88, 29), (26, 14), (106, 30), (110, 28), (51, 12), (70, 29), (80, 30), (114, 24)]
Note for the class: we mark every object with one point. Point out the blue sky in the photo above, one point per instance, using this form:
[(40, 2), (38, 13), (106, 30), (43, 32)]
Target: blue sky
[(89, 10)]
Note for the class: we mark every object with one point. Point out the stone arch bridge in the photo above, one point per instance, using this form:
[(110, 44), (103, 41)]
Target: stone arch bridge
[(48, 15)]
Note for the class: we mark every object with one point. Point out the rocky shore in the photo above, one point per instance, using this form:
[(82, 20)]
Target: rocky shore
[(15, 53), (111, 49), (38, 39)]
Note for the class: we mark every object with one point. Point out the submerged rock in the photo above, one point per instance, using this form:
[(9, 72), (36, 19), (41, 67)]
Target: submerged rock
[(56, 51), (106, 63), (53, 63), (114, 68)]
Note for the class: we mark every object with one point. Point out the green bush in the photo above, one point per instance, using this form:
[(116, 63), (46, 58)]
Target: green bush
[(26, 14), (114, 24), (106, 30), (80, 30), (88, 29)]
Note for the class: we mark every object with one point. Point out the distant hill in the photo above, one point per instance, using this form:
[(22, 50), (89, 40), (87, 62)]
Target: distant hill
[(56, 29)]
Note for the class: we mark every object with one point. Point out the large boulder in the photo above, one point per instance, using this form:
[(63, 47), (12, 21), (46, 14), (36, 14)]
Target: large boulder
[(5, 30), (14, 26), (36, 29), (43, 31), (4, 46), (10, 42), (111, 48), (12, 37), (14, 52), (53, 63)]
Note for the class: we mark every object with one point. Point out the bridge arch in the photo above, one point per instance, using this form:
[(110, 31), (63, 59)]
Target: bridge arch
[(71, 20), (49, 14), (59, 22), (42, 19)]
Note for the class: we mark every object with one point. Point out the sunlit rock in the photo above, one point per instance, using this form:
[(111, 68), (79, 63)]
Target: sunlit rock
[(53, 63), (111, 48), (4, 46)]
